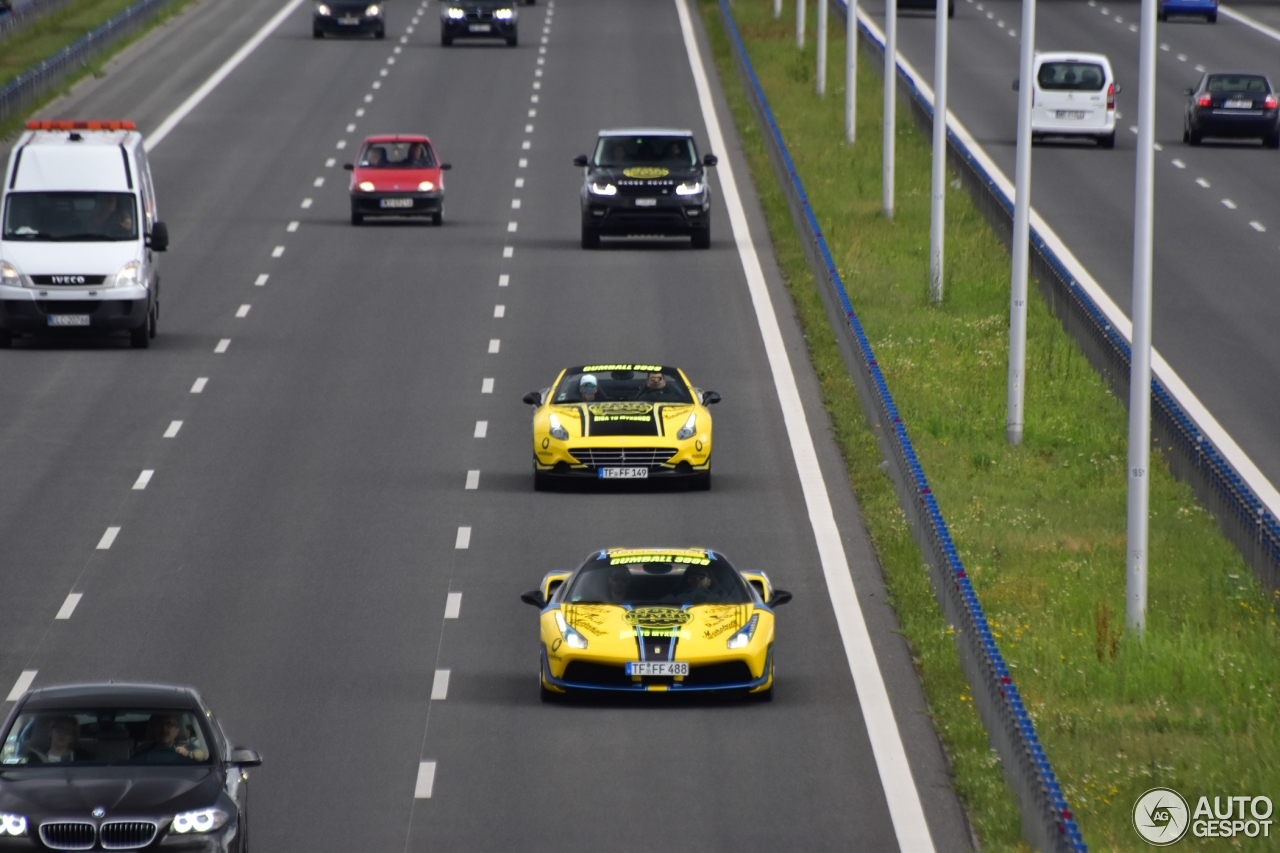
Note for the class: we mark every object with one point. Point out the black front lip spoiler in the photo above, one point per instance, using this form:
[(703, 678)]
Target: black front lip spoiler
[(674, 687)]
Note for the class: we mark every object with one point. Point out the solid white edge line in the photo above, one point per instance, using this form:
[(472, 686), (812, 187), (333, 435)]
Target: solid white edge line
[(440, 685), (69, 606), (1241, 17), (193, 101), (899, 786), (426, 780), (453, 605), (108, 539), (1168, 377), (20, 686)]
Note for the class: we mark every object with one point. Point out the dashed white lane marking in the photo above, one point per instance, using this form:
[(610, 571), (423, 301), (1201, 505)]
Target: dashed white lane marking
[(453, 605), (546, 30), (1178, 164), (1164, 47), (1133, 28), (1202, 182), (494, 343), (542, 60), (143, 479), (896, 779), (508, 251), (499, 311), (398, 49), (342, 143), (222, 346), (368, 99), (537, 72), (360, 113), (318, 182), (20, 686), (384, 72), (473, 480), (306, 203), (1200, 68), (377, 84), (515, 204), (1257, 226), (1119, 20), (1229, 204), (1012, 34), (243, 311), (482, 429), (504, 280), (426, 780), (1133, 128), (408, 29), (512, 226), (440, 686), (198, 386), (261, 280), (519, 183), (537, 84), (330, 163), (172, 431), (526, 145), (108, 538), (486, 386), (524, 163), (277, 252), (293, 226), (69, 606), (463, 541), (1182, 57)]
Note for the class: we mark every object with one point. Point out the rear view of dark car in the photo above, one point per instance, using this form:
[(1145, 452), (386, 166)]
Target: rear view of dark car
[(1232, 106), (342, 17)]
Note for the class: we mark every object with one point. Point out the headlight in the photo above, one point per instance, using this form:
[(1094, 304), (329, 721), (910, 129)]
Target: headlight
[(12, 824), (558, 431), (9, 274), (504, 14), (426, 186), (603, 189), (200, 820), (323, 9), (130, 275), (689, 428), (366, 186), (689, 188), (373, 11), (455, 13), (745, 633), (571, 637)]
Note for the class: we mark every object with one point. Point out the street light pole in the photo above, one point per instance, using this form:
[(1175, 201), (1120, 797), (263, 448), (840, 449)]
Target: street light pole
[(777, 8), (822, 46), (1140, 347), (938, 208), (890, 103), (1021, 229), (800, 24), (850, 70)]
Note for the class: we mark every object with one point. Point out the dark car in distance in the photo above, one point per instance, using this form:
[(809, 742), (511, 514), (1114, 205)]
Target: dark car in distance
[(1232, 106), (927, 6), (645, 181), (479, 19), (336, 17), (121, 767)]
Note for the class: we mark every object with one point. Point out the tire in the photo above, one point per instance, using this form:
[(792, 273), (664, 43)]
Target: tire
[(1108, 141), (1212, 19), (590, 238), (700, 482), (381, 33), (1162, 16), (1186, 137), (445, 40), (437, 218), (317, 33), (6, 338), (1271, 140), (155, 320), (140, 338), (357, 218), (951, 10), (1193, 138), (513, 41), (542, 482), (701, 239)]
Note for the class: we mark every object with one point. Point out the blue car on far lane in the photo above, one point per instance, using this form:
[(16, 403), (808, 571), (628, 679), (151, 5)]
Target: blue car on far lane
[(1206, 8)]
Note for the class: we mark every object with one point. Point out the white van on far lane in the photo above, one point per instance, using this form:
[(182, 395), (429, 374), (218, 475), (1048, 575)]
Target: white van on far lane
[(78, 231), (1074, 96)]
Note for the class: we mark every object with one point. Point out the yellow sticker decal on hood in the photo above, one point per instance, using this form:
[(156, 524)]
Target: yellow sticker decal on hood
[(620, 408), (657, 616), (646, 172)]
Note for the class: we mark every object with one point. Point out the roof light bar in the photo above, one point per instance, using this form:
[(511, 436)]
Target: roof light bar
[(80, 125)]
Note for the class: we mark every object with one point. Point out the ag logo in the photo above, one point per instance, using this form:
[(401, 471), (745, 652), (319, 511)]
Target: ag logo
[(1161, 816), (645, 172), (649, 617), (620, 408)]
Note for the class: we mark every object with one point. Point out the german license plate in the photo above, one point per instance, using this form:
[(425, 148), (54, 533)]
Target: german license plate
[(396, 202), (1238, 104), (68, 319), (478, 28), (657, 667), (624, 473), (646, 202), (1076, 114), (348, 22)]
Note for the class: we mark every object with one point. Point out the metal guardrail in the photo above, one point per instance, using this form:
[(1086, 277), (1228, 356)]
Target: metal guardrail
[(30, 85), (1047, 820)]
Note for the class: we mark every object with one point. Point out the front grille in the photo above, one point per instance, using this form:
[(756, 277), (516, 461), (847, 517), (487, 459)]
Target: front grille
[(645, 188), (600, 457), (67, 836), (597, 675), (479, 15), (127, 835), (716, 674), (68, 280)]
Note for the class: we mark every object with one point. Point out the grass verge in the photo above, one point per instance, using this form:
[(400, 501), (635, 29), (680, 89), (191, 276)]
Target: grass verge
[(1040, 527)]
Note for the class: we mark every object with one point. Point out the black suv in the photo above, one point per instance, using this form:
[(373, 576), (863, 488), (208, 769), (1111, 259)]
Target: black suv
[(643, 181), (336, 16), (483, 19)]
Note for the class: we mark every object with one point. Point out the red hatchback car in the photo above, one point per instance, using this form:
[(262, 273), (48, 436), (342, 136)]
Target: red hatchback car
[(397, 175)]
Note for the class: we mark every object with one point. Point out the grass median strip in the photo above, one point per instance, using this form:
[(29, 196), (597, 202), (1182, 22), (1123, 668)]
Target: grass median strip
[(1040, 527)]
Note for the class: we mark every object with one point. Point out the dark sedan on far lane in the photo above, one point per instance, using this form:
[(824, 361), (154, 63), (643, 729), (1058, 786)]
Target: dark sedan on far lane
[(1232, 106)]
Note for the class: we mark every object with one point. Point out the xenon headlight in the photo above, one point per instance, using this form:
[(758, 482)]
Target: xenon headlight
[(12, 824), (323, 9), (366, 186), (373, 11), (558, 431), (689, 188), (130, 275), (603, 189), (504, 14), (9, 274), (745, 633), (689, 428), (455, 13), (426, 186), (571, 637), (200, 820)]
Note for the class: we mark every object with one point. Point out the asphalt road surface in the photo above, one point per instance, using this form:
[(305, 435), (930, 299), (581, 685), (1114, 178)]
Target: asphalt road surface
[(311, 411)]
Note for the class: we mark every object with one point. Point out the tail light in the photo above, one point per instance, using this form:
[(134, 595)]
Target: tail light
[(1271, 102), (1111, 96), (1204, 101)]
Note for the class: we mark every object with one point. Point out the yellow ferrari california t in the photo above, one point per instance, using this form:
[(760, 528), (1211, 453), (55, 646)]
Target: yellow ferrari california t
[(657, 620), (621, 422)]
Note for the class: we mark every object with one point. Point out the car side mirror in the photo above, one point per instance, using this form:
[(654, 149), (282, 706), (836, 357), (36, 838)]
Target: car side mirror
[(444, 167), (349, 166), (780, 597), (244, 757), (710, 160), (580, 160), (535, 598), (533, 398), (1117, 85), (1188, 91), (1015, 85), (710, 398), (158, 239)]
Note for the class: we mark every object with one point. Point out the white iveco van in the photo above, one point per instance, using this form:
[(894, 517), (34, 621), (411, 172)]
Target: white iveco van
[(78, 227)]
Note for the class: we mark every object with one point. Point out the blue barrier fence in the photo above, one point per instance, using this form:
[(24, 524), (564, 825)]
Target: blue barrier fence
[(1047, 820)]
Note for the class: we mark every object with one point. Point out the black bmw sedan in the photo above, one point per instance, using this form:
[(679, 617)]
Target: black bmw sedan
[(349, 17), (1232, 106), (479, 19), (645, 181), (121, 767)]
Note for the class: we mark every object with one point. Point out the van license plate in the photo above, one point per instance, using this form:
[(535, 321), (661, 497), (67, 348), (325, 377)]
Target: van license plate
[(396, 202), (68, 319), (624, 473), (1076, 114)]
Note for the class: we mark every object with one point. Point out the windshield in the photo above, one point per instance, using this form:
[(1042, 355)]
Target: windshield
[(596, 383), (1071, 76), (652, 579), (105, 736), (1238, 83), (71, 216), (673, 152), (397, 155)]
